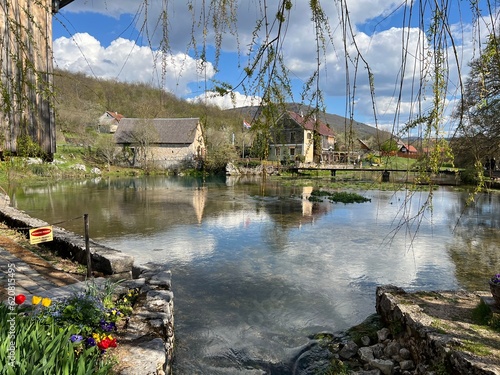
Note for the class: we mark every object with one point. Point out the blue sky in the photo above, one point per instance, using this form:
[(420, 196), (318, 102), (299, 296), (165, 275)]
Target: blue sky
[(115, 39)]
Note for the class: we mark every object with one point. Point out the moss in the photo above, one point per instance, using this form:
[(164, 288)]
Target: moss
[(475, 347), (339, 196), (368, 327)]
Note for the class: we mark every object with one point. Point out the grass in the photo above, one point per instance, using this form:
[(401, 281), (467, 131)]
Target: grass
[(475, 347), (483, 316)]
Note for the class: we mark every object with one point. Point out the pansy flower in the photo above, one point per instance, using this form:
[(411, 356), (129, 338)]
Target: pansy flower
[(75, 339), (107, 326)]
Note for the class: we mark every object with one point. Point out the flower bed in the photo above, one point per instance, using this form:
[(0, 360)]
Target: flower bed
[(74, 335)]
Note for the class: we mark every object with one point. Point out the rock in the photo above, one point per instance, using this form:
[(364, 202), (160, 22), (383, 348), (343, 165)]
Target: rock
[(349, 350), (404, 353), (79, 167), (367, 372), (384, 365), (392, 349), (407, 365), (366, 354), (365, 340), (383, 334), (148, 358), (378, 350), (162, 278)]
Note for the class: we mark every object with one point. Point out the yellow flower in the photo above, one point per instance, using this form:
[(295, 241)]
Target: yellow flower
[(46, 302), (36, 300)]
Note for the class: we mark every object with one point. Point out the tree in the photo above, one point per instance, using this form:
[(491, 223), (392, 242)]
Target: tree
[(479, 111), (106, 149), (144, 136)]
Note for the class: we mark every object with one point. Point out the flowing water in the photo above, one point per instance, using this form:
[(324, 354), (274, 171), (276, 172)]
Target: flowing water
[(258, 268)]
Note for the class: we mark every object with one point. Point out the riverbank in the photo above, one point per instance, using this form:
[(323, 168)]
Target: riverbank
[(54, 269)]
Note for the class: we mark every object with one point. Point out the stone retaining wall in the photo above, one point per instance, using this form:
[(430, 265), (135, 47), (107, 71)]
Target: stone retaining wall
[(427, 344), (147, 344), (67, 244)]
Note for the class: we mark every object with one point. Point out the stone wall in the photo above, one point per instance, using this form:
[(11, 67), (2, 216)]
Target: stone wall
[(431, 347), (147, 342), (67, 244)]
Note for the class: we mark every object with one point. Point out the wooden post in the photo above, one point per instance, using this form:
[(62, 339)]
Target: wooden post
[(87, 246)]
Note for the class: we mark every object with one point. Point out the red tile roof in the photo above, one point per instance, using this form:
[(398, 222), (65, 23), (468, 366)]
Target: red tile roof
[(309, 123)]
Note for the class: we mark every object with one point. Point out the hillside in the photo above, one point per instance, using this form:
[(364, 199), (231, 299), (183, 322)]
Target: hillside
[(339, 124), (80, 100)]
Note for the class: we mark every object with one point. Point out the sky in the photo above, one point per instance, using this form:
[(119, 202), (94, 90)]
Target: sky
[(122, 40)]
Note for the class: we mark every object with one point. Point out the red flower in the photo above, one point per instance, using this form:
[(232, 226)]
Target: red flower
[(19, 299), (107, 343)]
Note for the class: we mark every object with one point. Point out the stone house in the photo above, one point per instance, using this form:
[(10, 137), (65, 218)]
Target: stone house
[(165, 143), (108, 122), (294, 137)]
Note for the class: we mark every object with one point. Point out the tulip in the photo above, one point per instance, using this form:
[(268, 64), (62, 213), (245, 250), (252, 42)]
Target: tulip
[(46, 302), (36, 300), (19, 299)]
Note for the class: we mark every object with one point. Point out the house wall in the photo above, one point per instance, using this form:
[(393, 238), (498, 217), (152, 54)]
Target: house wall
[(289, 141), (26, 73), (171, 156)]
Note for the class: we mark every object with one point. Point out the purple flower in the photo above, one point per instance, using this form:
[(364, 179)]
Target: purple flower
[(107, 326), (76, 338), (90, 341)]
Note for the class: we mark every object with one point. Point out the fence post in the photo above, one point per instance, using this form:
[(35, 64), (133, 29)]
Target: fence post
[(87, 246)]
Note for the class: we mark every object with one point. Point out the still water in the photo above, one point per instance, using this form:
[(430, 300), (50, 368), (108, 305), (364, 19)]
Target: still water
[(258, 268)]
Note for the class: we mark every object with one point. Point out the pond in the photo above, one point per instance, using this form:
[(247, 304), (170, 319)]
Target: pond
[(258, 268)]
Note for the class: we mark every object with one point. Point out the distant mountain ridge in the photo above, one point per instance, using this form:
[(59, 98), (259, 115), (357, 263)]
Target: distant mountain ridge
[(339, 124)]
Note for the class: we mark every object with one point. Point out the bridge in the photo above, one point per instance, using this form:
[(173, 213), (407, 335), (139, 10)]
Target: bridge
[(333, 168)]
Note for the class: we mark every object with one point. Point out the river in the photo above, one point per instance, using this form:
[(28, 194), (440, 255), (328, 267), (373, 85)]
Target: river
[(258, 268)]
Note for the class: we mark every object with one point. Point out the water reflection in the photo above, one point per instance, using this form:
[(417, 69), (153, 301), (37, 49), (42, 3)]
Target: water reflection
[(257, 267)]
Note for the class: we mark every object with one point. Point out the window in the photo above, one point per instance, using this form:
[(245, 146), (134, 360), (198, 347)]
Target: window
[(292, 137), (292, 151), (277, 151)]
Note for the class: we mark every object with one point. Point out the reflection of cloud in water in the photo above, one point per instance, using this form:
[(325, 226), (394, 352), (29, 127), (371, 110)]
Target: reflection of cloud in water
[(167, 247), (236, 219)]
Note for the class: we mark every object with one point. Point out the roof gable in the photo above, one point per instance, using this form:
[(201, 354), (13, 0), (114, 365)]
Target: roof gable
[(310, 123), (169, 130)]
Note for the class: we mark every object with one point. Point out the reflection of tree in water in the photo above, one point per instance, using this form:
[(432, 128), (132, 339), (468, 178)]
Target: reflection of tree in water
[(474, 250)]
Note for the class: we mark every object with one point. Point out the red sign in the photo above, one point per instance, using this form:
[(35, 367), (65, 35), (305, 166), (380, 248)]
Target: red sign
[(43, 234)]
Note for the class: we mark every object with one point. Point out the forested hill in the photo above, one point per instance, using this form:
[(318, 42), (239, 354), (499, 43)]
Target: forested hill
[(80, 101)]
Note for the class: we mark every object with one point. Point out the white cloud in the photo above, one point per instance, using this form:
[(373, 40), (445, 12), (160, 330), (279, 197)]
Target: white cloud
[(377, 26), (228, 101), (125, 61)]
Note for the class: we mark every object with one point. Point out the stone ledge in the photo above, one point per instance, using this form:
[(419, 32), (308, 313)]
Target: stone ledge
[(148, 339), (66, 244), (429, 344)]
